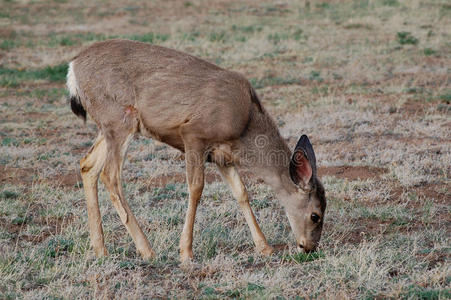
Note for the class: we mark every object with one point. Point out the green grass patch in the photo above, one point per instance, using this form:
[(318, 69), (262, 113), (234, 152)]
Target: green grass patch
[(59, 246), (323, 5), (247, 29), (261, 203), (446, 97), (358, 26), (172, 221), (414, 90), (315, 76), (392, 3), (8, 44), (149, 37), (406, 38), (429, 52), (302, 257), (22, 220), (251, 289), (47, 95), (170, 191), (218, 37), (271, 81), (15, 77), (192, 36), (127, 265), (76, 39), (8, 195), (9, 141), (276, 38), (426, 294)]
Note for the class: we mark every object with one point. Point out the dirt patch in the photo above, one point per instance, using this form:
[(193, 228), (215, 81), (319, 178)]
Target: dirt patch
[(368, 228), (26, 176), (16, 175), (435, 258), (35, 115), (71, 179), (48, 133), (352, 173), (52, 226), (412, 107), (280, 247), (7, 33), (439, 192)]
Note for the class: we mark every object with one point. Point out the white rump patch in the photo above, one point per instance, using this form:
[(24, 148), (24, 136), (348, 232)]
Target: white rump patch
[(71, 81)]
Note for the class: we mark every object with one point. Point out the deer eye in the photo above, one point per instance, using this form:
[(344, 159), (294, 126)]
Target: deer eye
[(315, 218)]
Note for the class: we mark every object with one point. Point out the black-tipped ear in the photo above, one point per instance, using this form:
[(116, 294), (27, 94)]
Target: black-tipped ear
[(303, 162)]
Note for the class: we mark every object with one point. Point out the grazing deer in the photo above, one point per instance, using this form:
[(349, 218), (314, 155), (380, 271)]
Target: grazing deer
[(208, 113)]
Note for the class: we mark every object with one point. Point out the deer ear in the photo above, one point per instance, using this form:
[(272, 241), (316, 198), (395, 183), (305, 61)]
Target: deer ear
[(303, 162)]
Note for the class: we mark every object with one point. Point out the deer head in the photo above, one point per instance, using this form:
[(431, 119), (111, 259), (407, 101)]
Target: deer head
[(305, 204)]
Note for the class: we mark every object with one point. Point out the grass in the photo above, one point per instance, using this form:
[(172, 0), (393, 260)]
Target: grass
[(8, 44), (429, 51), (77, 39), (364, 81), (272, 81), (15, 77), (74, 39), (303, 257), (406, 38), (9, 194), (149, 37), (427, 294)]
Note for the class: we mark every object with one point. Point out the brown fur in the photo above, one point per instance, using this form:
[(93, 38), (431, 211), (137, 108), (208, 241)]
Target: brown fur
[(131, 87)]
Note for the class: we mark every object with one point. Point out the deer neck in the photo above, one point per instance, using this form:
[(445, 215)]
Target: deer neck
[(267, 155)]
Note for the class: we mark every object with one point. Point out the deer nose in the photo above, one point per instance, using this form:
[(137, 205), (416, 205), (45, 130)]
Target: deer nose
[(301, 244), (305, 249), (301, 248), (309, 250)]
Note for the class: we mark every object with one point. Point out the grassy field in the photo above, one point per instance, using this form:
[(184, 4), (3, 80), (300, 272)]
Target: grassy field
[(368, 80)]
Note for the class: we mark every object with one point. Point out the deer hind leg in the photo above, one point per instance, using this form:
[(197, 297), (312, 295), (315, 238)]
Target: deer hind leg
[(111, 177), (194, 158), (231, 176), (90, 167)]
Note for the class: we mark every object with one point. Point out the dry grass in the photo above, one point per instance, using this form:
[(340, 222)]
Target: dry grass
[(367, 80)]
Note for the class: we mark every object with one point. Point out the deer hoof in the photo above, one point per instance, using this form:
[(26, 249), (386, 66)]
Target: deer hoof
[(101, 252), (148, 255), (267, 250), (186, 256)]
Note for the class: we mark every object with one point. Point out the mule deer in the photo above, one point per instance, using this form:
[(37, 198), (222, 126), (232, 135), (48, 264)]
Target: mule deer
[(208, 113)]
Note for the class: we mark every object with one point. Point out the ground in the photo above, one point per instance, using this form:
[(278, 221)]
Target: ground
[(369, 82)]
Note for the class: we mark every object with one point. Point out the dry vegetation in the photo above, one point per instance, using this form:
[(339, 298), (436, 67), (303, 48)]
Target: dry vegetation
[(368, 80)]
